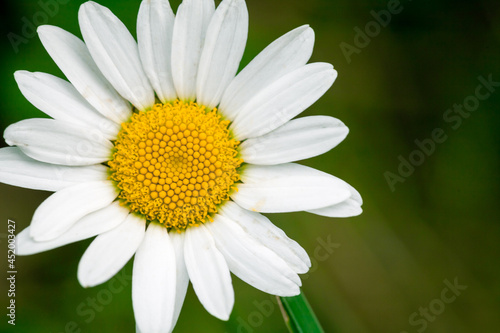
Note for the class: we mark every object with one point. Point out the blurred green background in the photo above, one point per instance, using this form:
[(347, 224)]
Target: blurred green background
[(383, 271)]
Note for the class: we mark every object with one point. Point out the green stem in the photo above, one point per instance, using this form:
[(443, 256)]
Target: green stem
[(298, 315)]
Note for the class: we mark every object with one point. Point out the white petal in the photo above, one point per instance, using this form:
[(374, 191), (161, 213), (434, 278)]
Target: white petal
[(182, 281), (251, 261), (284, 55), (355, 195), (296, 140), (64, 208), (88, 226), (191, 22), (74, 60), (282, 100), (208, 272), (60, 100), (154, 281), (155, 25), (115, 52), (19, 170), (264, 231), (346, 208), (59, 142), (110, 251), (224, 46), (288, 188), (349, 207)]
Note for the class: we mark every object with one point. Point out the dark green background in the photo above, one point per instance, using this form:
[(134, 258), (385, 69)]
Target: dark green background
[(441, 223)]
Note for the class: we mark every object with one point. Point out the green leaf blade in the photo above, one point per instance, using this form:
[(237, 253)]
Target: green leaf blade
[(298, 315)]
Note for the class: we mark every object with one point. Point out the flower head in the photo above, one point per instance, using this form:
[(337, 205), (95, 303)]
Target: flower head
[(163, 152)]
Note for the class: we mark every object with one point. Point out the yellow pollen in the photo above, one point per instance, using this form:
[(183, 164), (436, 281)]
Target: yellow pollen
[(175, 163)]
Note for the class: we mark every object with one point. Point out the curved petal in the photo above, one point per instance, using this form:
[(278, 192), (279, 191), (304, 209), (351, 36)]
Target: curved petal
[(17, 169), (355, 194), (64, 208), (265, 232), (190, 26), (182, 281), (346, 208), (155, 25), (208, 272), (296, 140), (281, 57), (288, 188), (115, 52), (154, 281), (282, 100), (73, 58), (224, 46), (58, 142), (110, 251), (88, 226), (349, 207), (251, 261), (61, 101)]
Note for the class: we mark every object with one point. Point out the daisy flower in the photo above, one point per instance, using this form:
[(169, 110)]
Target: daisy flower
[(160, 150)]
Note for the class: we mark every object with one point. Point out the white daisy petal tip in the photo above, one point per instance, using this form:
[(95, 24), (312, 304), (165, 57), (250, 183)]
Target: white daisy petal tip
[(73, 58), (154, 35), (18, 75), (282, 100), (59, 142), (190, 26), (43, 29), (115, 53), (296, 140), (355, 195), (91, 4), (284, 55), (251, 260), (347, 208), (17, 169), (330, 70), (288, 187), (335, 74), (48, 33), (64, 208), (89, 226), (266, 233), (24, 242), (222, 52), (60, 100)]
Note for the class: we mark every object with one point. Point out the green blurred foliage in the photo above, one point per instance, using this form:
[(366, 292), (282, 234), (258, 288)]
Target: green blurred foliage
[(442, 222)]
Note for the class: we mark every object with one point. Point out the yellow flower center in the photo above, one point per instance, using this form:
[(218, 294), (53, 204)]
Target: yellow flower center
[(175, 163)]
